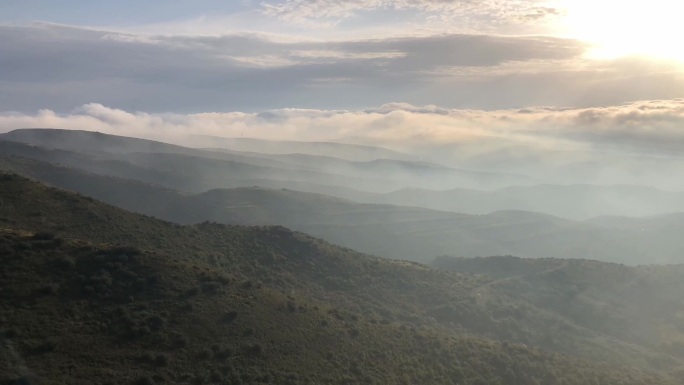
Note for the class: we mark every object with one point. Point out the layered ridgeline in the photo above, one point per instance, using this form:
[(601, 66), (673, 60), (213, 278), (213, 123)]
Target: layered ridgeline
[(221, 168), (377, 176), (390, 231), (579, 202), (95, 294)]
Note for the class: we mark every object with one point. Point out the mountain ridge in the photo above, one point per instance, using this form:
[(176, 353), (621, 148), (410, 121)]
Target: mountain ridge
[(411, 233), (271, 273)]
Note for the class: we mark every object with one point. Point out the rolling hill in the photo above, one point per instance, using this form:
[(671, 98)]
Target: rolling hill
[(97, 294), (579, 202), (401, 182), (352, 152), (390, 231), (374, 175), (638, 304)]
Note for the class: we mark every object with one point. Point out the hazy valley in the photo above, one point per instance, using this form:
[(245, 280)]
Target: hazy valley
[(141, 287), (186, 185), (321, 192)]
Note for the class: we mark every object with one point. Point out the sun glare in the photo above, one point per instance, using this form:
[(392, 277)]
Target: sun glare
[(633, 27)]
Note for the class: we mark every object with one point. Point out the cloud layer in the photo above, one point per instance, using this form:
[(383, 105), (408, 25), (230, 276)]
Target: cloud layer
[(58, 67), (646, 127)]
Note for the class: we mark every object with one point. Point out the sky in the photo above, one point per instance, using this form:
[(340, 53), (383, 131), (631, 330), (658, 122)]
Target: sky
[(572, 73)]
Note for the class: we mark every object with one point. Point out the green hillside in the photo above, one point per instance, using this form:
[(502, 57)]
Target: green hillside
[(80, 313), (307, 311), (641, 305)]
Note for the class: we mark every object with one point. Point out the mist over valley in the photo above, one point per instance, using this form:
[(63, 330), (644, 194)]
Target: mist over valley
[(315, 192)]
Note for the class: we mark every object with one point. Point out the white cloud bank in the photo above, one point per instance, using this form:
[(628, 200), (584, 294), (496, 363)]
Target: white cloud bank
[(646, 127)]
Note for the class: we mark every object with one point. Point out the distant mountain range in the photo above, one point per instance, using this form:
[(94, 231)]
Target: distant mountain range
[(377, 175), (578, 202), (374, 180), (351, 152), (390, 231)]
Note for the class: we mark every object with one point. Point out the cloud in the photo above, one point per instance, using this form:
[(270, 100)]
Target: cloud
[(646, 127), (486, 15), (649, 126), (58, 67)]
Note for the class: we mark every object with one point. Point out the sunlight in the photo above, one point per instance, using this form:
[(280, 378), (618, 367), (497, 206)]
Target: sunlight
[(620, 28)]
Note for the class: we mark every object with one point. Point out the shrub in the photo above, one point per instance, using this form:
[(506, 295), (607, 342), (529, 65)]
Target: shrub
[(156, 322), (223, 353), (212, 287), (199, 379), (230, 316), (153, 279), (65, 262), (253, 350), (20, 381), (44, 236), (47, 346), (216, 377), (147, 358), (9, 333), (49, 289), (129, 251), (161, 360), (179, 341), (143, 380), (204, 354)]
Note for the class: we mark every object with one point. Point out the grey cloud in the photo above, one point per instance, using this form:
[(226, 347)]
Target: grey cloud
[(58, 67)]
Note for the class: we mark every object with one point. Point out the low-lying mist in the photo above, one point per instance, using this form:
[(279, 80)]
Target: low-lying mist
[(394, 208), (631, 144), (474, 177)]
